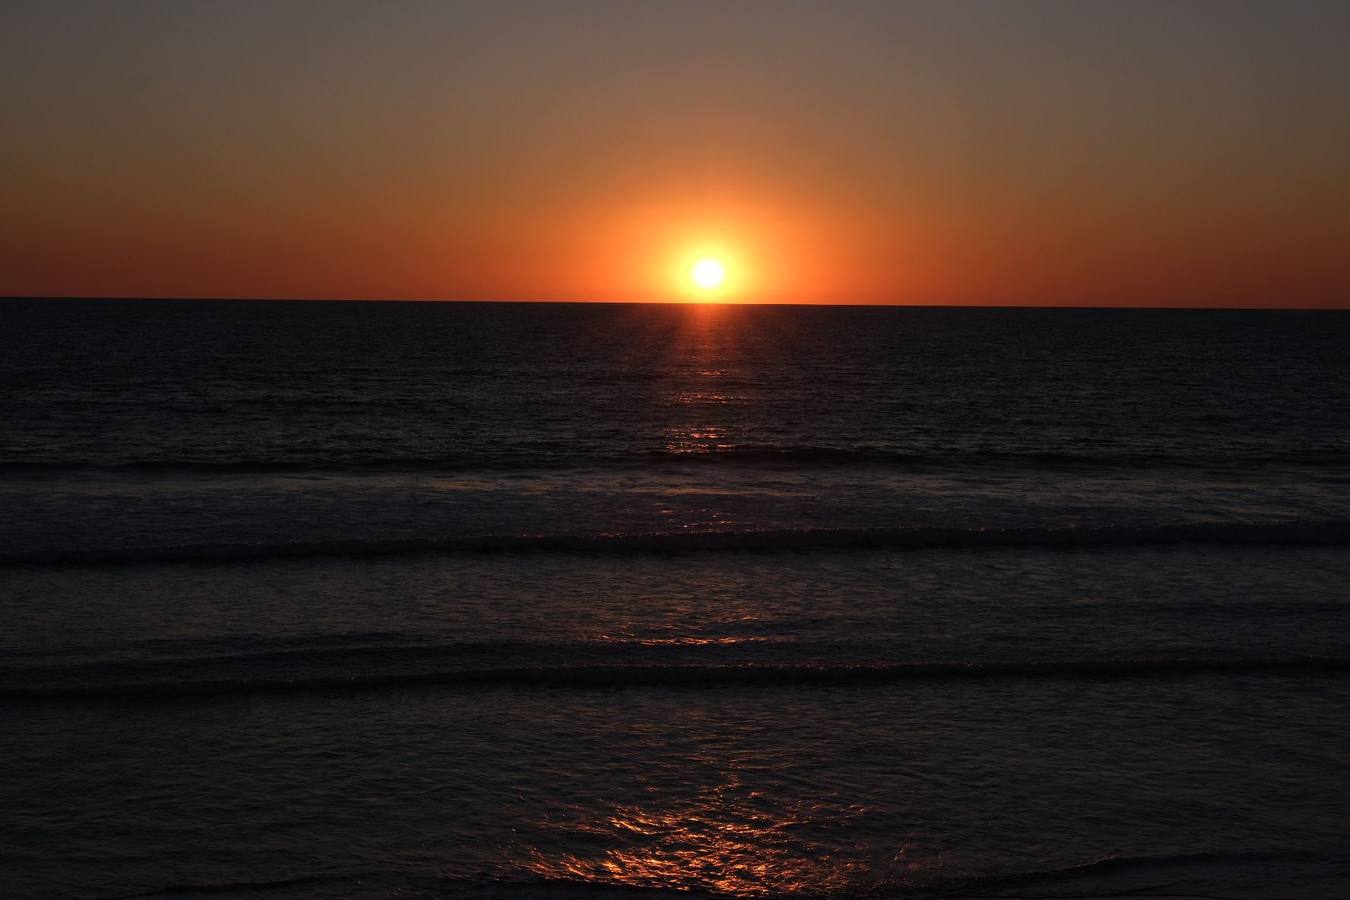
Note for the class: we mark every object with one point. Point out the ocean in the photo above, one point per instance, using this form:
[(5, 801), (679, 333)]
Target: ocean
[(418, 600)]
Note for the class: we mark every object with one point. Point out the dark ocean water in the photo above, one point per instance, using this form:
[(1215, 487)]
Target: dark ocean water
[(489, 600)]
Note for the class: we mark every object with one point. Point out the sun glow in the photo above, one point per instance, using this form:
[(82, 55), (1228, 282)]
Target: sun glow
[(708, 273)]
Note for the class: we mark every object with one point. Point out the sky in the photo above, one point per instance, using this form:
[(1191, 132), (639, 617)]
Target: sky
[(1040, 152)]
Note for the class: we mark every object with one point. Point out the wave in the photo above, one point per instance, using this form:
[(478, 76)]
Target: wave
[(1009, 459), (1297, 871), (245, 887), (741, 455), (355, 466), (676, 676), (1123, 876), (390, 883), (1322, 533)]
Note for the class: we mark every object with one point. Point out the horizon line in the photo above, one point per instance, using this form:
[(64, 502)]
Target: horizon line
[(695, 303)]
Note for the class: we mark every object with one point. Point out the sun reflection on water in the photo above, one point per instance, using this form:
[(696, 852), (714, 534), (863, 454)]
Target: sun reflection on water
[(687, 641), (692, 439), (727, 838)]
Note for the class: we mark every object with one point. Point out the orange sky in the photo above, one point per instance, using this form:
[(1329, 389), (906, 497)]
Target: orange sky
[(1038, 153)]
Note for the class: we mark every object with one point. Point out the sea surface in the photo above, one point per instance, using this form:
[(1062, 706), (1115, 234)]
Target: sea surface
[(416, 600)]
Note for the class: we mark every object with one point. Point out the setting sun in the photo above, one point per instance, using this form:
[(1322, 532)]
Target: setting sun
[(708, 273)]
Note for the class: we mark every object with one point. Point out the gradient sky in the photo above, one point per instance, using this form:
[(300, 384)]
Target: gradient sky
[(1076, 152)]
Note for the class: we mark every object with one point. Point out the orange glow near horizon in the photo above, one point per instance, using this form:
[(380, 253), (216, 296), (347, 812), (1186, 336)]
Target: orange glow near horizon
[(917, 154)]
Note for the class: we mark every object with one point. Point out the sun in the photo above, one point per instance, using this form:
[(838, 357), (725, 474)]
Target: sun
[(708, 273)]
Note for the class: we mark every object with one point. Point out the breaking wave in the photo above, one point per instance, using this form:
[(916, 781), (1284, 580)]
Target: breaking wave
[(1297, 870), (546, 459), (1323, 533), (96, 684)]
